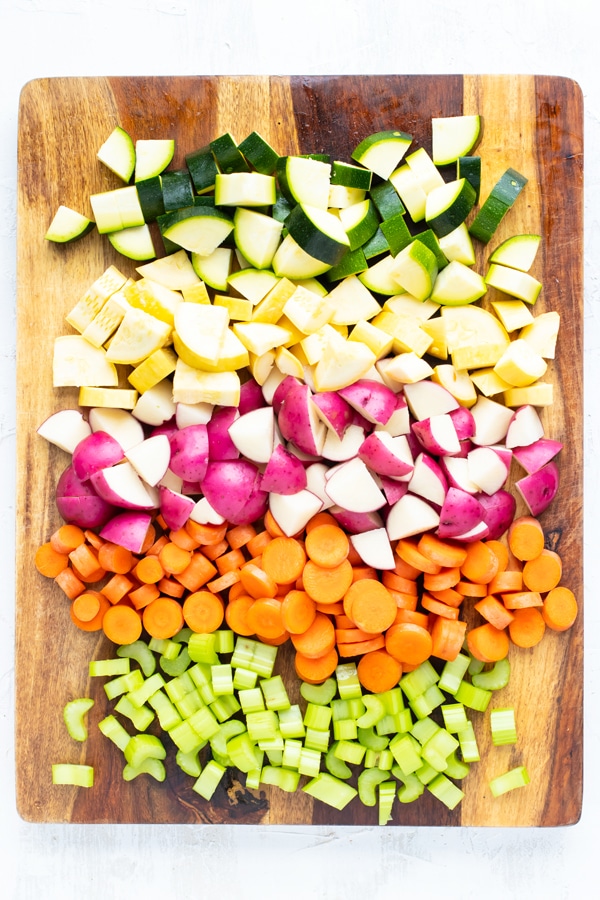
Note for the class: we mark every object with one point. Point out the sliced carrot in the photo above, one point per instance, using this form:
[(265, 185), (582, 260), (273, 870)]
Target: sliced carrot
[(257, 544), (85, 560), (505, 581), (213, 551), (206, 534), (93, 539), (405, 570), (501, 551), (67, 537), (522, 599), (407, 549), (327, 586), (378, 671), (283, 559), (198, 573), (437, 607), (171, 587), (404, 601), (203, 611), (239, 535), (488, 644), (444, 579), (229, 561), (148, 570), (149, 539), (449, 596), (298, 611), (271, 525), (265, 618), (318, 639), (342, 621), (411, 615), (68, 581), (409, 642), (235, 591), (372, 607), (352, 635), (327, 545), (122, 624), (360, 571), (320, 518), (315, 670), (224, 582), (543, 572), (50, 562), (480, 564), (331, 609), (87, 605), (183, 539), (92, 576), (527, 627), (354, 557), (156, 546), (115, 558), (470, 589), (256, 582), (117, 587), (560, 608), (447, 636), (163, 618), (525, 538), (274, 641), (447, 553), (399, 583), (361, 647), (236, 614), (494, 611), (96, 623), (143, 595)]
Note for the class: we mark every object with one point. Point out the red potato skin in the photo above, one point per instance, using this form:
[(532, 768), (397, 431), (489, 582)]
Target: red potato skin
[(498, 512), (459, 514), (189, 452), (95, 452), (232, 487), (295, 418), (536, 455), (175, 508), (220, 445), (336, 413), (127, 529), (284, 473), (281, 392), (539, 489), (78, 503), (251, 396), (381, 459), (463, 422), (373, 400)]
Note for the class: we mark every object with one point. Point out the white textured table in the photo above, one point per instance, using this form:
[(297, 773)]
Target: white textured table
[(180, 37)]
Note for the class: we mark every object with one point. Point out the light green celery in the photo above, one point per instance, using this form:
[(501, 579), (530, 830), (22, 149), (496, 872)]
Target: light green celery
[(473, 697), (290, 722), (222, 679), (345, 730), (310, 762), (186, 738), (453, 672), (425, 703), (114, 731), (183, 636), (274, 692), (141, 653), (141, 694), (395, 724), (445, 791), (189, 762), (356, 707), (204, 723), (392, 700), (405, 753), (200, 676), (318, 717), (285, 779), (374, 711), (242, 752), (243, 653), (372, 741), (321, 694), (438, 748), (109, 667), (412, 787), (348, 684), (165, 709), (72, 773), (475, 666), (223, 759), (140, 716), (264, 658), (228, 730), (177, 666), (244, 679), (496, 678), (208, 780), (179, 686), (387, 795), (224, 641), (273, 744), (122, 684), (424, 728), (316, 739), (253, 779), (74, 713), (150, 766), (350, 751), (508, 781), (291, 753), (340, 709), (165, 647), (142, 746), (189, 703), (503, 727), (367, 782), (336, 766), (330, 790), (386, 759), (456, 768), (416, 682), (201, 648), (225, 706), (275, 757), (426, 773), (468, 744), (251, 700), (262, 725), (455, 717)]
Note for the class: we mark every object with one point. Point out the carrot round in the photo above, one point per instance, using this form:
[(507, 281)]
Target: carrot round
[(447, 636), (283, 559), (174, 559), (183, 539), (163, 618), (143, 595), (446, 553), (257, 582), (239, 535), (203, 611), (67, 537), (488, 644), (399, 583), (320, 518), (409, 642), (117, 587), (449, 596), (411, 615), (96, 623), (527, 627), (315, 670), (378, 671), (206, 534), (264, 617), (371, 606), (446, 578), (148, 570), (494, 611), (318, 639), (408, 550), (505, 581), (50, 562), (480, 564), (525, 538), (236, 614), (271, 525), (438, 607), (327, 545), (327, 585), (501, 551), (543, 572), (69, 583), (298, 611), (115, 558), (361, 647), (560, 608), (87, 605), (122, 624)]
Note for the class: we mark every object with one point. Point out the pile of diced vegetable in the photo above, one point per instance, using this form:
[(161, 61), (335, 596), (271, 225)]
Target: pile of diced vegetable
[(312, 456)]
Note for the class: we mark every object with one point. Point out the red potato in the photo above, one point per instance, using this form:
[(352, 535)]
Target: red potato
[(220, 443), (232, 487), (498, 512), (94, 452), (189, 452), (456, 470), (316, 477), (253, 434), (119, 423), (204, 513), (525, 428), (479, 532), (374, 548), (151, 458), (460, 513), (387, 455), (284, 473), (428, 480), (356, 523), (293, 512), (192, 414), (78, 502), (251, 396), (352, 486), (539, 489), (156, 405), (280, 391), (65, 429), (338, 449), (393, 489), (298, 420), (536, 455), (121, 486), (428, 398), (437, 435), (128, 529), (399, 421), (334, 411), (175, 508), (371, 399), (491, 421), (464, 422), (487, 469), (411, 515)]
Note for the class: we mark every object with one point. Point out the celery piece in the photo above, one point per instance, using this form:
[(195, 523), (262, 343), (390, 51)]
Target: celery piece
[(496, 678), (167, 714), (142, 746), (222, 679), (243, 653), (74, 713), (141, 653), (263, 661), (253, 779), (223, 759), (150, 766), (208, 780), (348, 684), (274, 692), (426, 773), (386, 759), (453, 672), (204, 723), (316, 739), (387, 795), (72, 773), (473, 697), (114, 731), (109, 667), (122, 684), (456, 768), (140, 716), (426, 702), (424, 728), (310, 762), (405, 753), (475, 666), (392, 700), (189, 703), (242, 752), (150, 686), (189, 762), (412, 788), (372, 741), (201, 648), (228, 730), (244, 679), (367, 782), (508, 781), (318, 717), (503, 727), (292, 749), (183, 636), (275, 757), (224, 641), (321, 694), (446, 791), (290, 722), (340, 709), (345, 730), (336, 766), (273, 744), (438, 747), (356, 707), (165, 647), (398, 723), (371, 760), (180, 685), (350, 751), (177, 666), (328, 789), (374, 711), (262, 725), (455, 717), (416, 682), (225, 706), (186, 738), (468, 744), (285, 779), (251, 700)]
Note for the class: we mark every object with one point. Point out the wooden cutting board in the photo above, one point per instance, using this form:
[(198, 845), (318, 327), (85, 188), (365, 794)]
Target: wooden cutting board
[(533, 124)]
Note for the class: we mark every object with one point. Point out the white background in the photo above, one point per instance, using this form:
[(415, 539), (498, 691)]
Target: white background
[(194, 37)]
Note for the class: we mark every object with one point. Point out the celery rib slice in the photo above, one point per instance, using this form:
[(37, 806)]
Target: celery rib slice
[(74, 716)]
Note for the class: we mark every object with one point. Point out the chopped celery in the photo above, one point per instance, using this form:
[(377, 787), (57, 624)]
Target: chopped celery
[(264, 658), (374, 711), (109, 667), (317, 739), (208, 780), (453, 673), (321, 694), (367, 782), (225, 706), (496, 678), (475, 666), (292, 749), (142, 746), (336, 766), (243, 653), (273, 744), (424, 728), (262, 725), (222, 679), (122, 684), (455, 717), (178, 665), (426, 773), (426, 702), (228, 730), (149, 766), (345, 730), (74, 717), (285, 779), (275, 757), (387, 795), (189, 762), (416, 682), (183, 636), (455, 767), (167, 714), (398, 723), (204, 723), (141, 653), (149, 686), (468, 744), (446, 791), (405, 753), (372, 741), (140, 716), (508, 781), (165, 647), (503, 727), (350, 751), (473, 697), (242, 752), (290, 722), (201, 648), (386, 759), (251, 700), (330, 790), (310, 762), (189, 703), (318, 717), (114, 731), (186, 738), (274, 692), (412, 787), (180, 685), (72, 773), (438, 747), (224, 641), (348, 684)]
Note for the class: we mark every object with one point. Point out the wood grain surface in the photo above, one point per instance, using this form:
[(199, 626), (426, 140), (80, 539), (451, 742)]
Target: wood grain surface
[(533, 124)]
